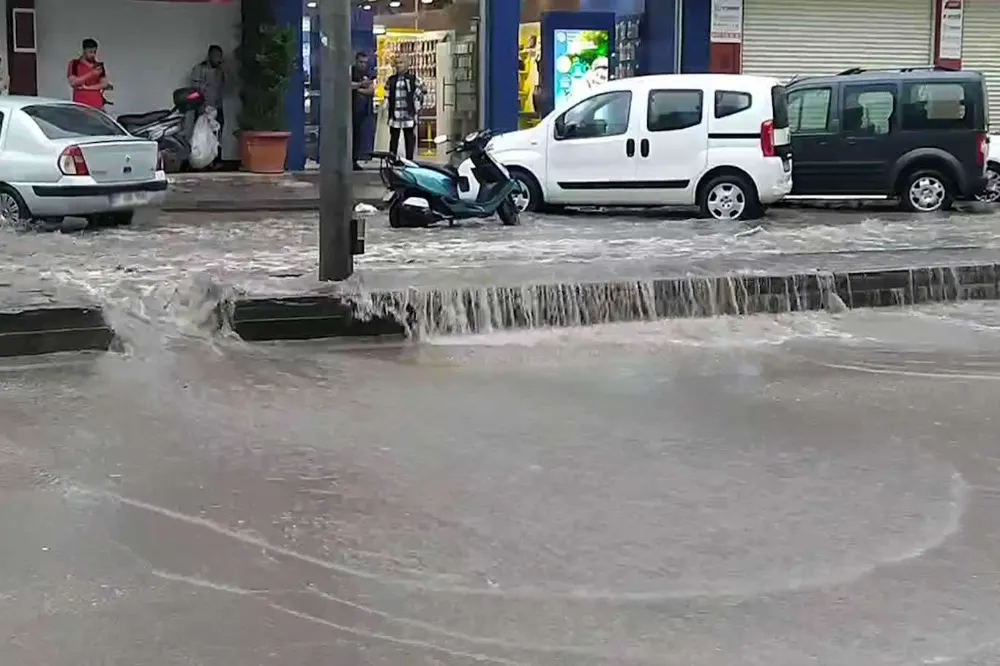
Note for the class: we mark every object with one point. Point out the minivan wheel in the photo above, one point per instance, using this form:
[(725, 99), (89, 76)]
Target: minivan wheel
[(14, 212), (729, 198), (991, 193), (528, 196), (926, 191)]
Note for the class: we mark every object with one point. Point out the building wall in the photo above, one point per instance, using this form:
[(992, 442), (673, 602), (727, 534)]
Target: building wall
[(149, 47)]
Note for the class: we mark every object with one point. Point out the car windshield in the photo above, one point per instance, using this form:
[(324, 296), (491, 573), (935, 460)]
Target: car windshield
[(71, 121)]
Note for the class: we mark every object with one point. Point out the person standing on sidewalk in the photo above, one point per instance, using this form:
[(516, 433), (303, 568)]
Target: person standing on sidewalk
[(209, 76), (87, 77), (405, 96), (362, 92)]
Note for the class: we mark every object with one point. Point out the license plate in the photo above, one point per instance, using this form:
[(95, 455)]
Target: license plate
[(128, 199), (387, 197)]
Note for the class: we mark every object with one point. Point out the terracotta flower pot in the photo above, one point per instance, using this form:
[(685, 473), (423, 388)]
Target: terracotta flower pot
[(264, 152)]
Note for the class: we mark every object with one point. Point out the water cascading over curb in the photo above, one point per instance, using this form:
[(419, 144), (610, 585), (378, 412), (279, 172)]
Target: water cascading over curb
[(464, 310)]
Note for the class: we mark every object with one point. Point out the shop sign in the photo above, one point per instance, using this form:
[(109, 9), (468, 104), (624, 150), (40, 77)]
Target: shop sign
[(950, 41), (727, 21)]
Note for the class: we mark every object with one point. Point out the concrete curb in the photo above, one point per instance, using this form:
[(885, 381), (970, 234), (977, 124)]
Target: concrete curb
[(482, 309), (31, 331)]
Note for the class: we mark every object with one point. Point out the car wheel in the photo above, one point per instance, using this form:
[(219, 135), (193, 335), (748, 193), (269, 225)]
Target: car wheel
[(729, 198), (14, 212), (991, 193), (926, 191), (528, 196)]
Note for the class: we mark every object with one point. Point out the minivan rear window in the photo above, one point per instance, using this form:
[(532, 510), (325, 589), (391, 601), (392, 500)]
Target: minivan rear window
[(779, 103), (71, 121), (943, 105)]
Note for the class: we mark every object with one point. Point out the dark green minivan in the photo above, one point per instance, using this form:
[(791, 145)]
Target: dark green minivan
[(917, 135)]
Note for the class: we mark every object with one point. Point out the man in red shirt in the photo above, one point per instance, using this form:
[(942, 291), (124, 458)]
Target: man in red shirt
[(87, 77)]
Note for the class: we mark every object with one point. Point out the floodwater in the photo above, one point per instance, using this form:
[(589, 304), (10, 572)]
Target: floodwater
[(763, 491), (266, 255)]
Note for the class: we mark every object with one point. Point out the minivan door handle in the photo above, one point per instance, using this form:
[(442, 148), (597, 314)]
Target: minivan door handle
[(644, 148), (630, 147)]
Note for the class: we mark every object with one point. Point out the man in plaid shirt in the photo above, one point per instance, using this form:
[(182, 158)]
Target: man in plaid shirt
[(405, 96)]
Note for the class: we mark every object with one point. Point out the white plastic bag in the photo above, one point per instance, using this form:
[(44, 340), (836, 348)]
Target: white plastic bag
[(204, 140)]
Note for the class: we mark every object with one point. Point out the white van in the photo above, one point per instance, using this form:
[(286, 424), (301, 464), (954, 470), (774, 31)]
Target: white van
[(716, 141)]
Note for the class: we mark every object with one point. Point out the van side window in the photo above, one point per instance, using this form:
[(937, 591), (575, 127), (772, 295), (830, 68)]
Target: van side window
[(728, 102), (809, 110), (671, 110), (606, 114), (936, 106), (869, 109)]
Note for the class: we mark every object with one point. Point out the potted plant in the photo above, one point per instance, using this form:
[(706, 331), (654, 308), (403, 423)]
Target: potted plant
[(267, 56)]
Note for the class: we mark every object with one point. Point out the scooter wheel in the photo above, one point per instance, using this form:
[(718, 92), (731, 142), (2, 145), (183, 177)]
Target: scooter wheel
[(400, 219), (507, 212)]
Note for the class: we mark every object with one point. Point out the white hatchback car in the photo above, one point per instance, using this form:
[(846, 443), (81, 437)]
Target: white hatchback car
[(59, 159), (716, 141)]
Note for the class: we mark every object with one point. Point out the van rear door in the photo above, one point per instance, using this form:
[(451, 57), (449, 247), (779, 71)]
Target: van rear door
[(782, 133)]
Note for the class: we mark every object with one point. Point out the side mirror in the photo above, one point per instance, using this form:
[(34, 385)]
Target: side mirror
[(441, 139)]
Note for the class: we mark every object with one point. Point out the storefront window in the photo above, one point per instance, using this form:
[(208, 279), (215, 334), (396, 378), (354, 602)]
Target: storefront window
[(440, 38)]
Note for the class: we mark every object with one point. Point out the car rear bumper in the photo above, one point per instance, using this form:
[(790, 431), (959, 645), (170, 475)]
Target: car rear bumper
[(774, 183), (67, 200)]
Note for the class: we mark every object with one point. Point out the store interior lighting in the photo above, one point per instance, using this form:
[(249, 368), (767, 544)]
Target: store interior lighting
[(396, 6)]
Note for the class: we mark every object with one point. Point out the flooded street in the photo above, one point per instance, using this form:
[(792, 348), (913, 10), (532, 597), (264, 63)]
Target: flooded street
[(767, 491), (269, 255)]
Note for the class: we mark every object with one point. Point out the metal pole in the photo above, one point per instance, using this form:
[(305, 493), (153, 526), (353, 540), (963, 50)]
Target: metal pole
[(336, 194)]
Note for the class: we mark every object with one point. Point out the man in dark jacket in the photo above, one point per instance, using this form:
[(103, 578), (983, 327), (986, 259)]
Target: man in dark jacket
[(362, 90), (404, 95)]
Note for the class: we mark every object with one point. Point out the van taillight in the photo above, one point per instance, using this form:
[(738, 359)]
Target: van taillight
[(767, 138), (71, 162), (984, 149)]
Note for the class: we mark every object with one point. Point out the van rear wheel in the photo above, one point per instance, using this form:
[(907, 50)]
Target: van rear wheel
[(729, 198), (926, 191)]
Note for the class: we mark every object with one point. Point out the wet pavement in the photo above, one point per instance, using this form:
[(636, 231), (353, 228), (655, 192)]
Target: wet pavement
[(278, 254), (763, 491)]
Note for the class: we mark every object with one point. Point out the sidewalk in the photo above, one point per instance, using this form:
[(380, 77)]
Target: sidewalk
[(247, 192)]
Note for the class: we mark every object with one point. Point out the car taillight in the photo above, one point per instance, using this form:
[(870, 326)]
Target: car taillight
[(984, 149), (767, 138), (71, 162)]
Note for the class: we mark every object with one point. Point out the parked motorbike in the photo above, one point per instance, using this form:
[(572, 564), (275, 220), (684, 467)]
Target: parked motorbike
[(422, 194), (168, 127)]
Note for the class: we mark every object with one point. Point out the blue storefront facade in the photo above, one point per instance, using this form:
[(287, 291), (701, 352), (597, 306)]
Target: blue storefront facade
[(662, 48)]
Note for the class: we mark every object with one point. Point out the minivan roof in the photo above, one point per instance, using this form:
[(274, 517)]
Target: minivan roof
[(709, 81), (874, 75)]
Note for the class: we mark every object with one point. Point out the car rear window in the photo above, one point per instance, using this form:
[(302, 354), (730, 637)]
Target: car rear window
[(779, 103), (70, 121)]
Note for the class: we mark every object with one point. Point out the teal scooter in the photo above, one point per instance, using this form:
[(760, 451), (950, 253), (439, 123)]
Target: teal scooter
[(422, 194)]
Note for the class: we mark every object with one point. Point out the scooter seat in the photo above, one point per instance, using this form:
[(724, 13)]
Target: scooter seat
[(445, 169), (140, 119)]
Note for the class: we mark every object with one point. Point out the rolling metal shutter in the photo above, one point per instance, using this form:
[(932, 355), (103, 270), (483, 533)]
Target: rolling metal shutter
[(785, 38), (981, 48)]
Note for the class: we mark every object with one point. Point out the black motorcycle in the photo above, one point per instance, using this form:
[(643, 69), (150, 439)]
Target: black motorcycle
[(170, 128)]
